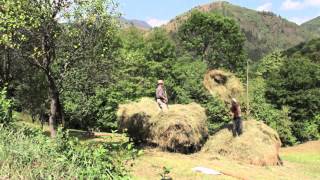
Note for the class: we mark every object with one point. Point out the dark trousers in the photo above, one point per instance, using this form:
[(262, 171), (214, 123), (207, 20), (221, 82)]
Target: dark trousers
[(237, 126)]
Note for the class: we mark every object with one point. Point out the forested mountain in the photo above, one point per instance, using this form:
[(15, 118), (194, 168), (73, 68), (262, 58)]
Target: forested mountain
[(135, 23), (310, 49), (264, 31), (313, 25)]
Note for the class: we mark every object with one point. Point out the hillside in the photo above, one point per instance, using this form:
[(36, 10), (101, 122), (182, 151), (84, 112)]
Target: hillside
[(264, 31), (310, 49), (313, 25)]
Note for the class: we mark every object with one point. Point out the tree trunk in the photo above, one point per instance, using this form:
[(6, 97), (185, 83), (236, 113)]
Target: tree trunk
[(55, 106)]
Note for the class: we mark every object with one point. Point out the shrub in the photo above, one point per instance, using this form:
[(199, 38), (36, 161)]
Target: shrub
[(297, 86), (275, 118), (28, 154), (5, 107)]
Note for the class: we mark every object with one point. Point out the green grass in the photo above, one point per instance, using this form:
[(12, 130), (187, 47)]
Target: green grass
[(300, 162), (309, 162)]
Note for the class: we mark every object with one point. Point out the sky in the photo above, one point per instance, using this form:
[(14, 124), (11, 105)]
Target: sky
[(158, 12)]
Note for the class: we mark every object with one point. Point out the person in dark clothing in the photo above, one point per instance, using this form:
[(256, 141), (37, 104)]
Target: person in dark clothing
[(161, 96), (237, 121)]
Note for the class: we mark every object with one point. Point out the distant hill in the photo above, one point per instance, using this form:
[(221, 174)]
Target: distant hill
[(310, 49), (136, 23), (264, 31), (313, 25)]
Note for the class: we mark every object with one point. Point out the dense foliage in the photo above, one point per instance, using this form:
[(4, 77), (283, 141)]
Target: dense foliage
[(312, 25), (5, 108), (309, 49), (261, 109), (27, 153), (216, 39), (297, 85)]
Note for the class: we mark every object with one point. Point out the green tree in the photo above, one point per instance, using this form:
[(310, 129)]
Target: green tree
[(215, 39), (132, 39), (159, 46), (186, 75), (43, 46), (309, 49), (296, 85), (270, 64), (86, 61), (261, 110), (13, 18)]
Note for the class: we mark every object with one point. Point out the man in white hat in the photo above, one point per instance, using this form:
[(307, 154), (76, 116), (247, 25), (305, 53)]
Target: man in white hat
[(161, 96), (237, 121)]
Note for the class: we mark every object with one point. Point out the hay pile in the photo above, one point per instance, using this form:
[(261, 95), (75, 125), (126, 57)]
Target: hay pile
[(223, 84), (134, 118), (182, 129), (258, 145)]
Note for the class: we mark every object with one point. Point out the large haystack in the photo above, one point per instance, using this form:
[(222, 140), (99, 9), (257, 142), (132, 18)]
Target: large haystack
[(223, 84), (258, 145), (134, 118), (182, 128)]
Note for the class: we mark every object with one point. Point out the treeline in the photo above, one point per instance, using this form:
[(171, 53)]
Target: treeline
[(73, 61)]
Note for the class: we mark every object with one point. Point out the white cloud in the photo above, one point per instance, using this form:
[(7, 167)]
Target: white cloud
[(265, 7), (294, 5), (312, 2), (156, 22)]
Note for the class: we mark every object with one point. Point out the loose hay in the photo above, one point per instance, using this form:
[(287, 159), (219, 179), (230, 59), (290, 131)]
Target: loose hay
[(134, 118), (258, 145), (223, 84), (182, 129)]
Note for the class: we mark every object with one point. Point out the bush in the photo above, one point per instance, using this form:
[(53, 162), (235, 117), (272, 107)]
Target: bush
[(217, 112), (5, 107), (187, 73), (263, 111), (307, 130), (297, 86), (28, 154)]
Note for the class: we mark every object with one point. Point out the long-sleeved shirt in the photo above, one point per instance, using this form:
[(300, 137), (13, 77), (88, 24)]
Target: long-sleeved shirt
[(160, 93)]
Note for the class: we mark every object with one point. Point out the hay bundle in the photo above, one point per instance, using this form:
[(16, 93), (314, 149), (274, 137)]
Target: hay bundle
[(182, 129), (223, 84), (134, 118), (258, 145)]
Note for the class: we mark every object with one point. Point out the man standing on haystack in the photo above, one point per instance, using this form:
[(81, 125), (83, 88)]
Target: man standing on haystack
[(161, 96), (237, 121)]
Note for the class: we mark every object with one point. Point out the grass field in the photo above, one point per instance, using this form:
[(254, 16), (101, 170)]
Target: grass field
[(300, 162)]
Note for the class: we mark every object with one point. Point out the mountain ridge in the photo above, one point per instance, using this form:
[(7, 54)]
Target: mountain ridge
[(312, 25), (140, 24), (264, 31)]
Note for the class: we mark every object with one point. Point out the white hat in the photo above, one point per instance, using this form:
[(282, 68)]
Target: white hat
[(160, 81), (234, 100)]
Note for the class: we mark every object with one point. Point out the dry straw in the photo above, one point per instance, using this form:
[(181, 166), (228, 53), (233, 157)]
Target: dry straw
[(258, 145), (223, 84), (134, 118), (181, 129)]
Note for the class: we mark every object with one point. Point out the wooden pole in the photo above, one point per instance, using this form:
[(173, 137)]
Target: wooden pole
[(248, 88)]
